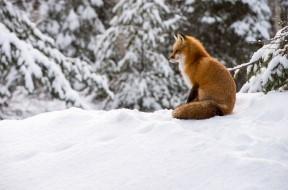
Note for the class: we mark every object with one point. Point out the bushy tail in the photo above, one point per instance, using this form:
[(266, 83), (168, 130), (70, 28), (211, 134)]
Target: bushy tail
[(197, 110)]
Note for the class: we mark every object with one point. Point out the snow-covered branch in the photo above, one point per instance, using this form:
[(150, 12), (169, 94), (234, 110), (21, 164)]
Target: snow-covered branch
[(29, 58)]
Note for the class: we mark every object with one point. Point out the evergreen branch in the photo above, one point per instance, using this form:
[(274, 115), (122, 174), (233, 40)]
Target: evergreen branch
[(244, 65)]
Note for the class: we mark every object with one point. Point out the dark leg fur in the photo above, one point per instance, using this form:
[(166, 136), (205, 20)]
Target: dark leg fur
[(193, 94)]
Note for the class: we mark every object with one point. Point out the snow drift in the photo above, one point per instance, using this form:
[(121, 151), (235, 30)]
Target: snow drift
[(126, 149)]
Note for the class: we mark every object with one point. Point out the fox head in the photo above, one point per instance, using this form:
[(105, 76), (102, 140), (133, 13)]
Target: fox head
[(178, 47), (188, 48)]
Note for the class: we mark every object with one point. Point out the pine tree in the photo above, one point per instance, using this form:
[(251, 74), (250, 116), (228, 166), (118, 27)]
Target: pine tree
[(131, 53), (29, 58), (74, 24), (270, 68), (228, 27)]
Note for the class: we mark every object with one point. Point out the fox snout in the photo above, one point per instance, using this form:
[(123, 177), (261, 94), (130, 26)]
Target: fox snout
[(172, 56), (172, 59)]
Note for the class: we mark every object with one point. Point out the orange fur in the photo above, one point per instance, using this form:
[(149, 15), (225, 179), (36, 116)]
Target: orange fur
[(216, 93)]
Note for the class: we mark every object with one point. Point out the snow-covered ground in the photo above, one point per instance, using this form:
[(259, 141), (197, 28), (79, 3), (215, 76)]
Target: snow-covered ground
[(130, 150)]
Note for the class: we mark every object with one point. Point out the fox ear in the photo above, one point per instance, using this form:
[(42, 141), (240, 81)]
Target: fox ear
[(175, 36), (181, 36)]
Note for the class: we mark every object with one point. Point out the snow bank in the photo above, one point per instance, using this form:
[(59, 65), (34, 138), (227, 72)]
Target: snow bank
[(126, 149)]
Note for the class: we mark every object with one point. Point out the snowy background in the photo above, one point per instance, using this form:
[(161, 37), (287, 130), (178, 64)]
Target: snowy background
[(104, 64), (96, 54)]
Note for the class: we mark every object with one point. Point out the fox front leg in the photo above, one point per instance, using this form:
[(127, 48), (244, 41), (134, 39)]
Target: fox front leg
[(193, 94)]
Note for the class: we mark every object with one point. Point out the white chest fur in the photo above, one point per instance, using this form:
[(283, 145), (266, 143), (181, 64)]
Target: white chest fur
[(185, 76)]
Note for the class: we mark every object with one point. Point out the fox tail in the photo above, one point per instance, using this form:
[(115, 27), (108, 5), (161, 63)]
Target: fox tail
[(198, 110)]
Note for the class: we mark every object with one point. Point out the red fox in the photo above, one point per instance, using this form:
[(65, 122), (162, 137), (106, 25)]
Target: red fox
[(213, 90)]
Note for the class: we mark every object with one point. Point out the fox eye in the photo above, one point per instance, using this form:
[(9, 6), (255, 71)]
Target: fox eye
[(177, 51)]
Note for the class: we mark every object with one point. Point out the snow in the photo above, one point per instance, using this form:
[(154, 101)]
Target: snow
[(126, 149), (274, 62), (74, 26), (251, 27), (210, 20), (97, 3), (189, 2)]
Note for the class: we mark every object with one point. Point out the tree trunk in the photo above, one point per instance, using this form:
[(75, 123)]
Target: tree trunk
[(276, 15)]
